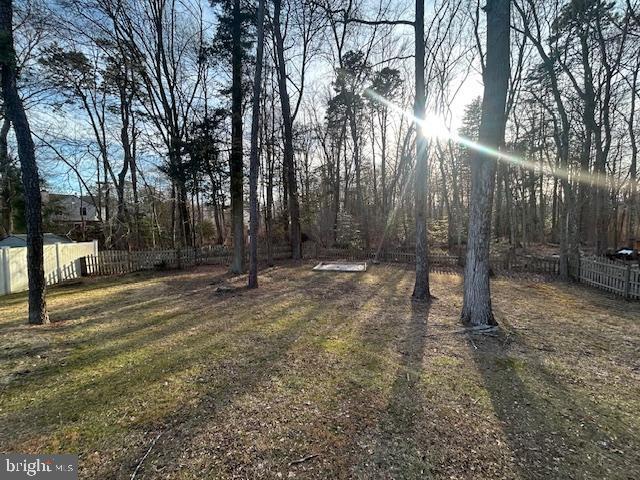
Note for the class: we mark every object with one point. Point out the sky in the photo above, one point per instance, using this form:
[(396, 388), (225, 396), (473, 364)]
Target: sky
[(320, 76)]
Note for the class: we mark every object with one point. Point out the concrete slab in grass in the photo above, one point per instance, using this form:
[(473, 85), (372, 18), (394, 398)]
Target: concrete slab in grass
[(341, 267)]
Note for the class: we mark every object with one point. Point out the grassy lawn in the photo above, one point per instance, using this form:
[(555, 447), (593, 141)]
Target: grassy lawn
[(339, 372)]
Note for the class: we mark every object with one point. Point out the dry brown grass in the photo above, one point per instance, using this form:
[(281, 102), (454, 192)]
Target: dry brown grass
[(342, 366)]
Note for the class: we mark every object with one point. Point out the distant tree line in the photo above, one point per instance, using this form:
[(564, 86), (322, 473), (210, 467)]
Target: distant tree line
[(147, 107)]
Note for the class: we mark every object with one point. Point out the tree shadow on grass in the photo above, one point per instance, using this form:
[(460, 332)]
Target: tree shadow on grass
[(396, 450), (339, 375), (553, 426), (170, 347), (179, 281), (147, 321), (117, 378), (196, 435)]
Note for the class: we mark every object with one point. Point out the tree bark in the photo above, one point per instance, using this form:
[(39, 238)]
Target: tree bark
[(254, 161), (6, 188), (421, 288), (236, 158), (30, 178), (289, 165), (632, 221), (476, 309), (269, 167), (214, 200)]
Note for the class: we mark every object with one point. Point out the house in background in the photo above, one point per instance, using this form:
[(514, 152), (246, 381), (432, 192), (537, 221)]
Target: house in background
[(69, 209), (71, 216), (20, 240)]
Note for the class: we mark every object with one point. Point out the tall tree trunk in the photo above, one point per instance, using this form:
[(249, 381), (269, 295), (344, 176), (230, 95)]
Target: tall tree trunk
[(445, 197), (136, 202), (360, 207), (254, 161), (476, 309), (554, 212), (336, 196), (498, 224), (30, 178), (236, 160), (268, 217), (214, 200), (289, 165), (374, 175), (6, 187), (542, 212), (421, 288), (173, 214), (632, 220), (123, 240), (183, 210), (383, 166)]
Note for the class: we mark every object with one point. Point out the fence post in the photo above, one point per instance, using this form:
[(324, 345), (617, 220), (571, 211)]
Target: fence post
[(84, 266), (58, 268), (627, 282), (577, 275), (6, 268), (95, 265)]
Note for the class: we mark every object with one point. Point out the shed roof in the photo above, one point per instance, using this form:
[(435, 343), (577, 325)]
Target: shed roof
[(20, 240)]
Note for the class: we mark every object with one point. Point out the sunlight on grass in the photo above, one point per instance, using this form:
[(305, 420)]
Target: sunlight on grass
[(339, 364)]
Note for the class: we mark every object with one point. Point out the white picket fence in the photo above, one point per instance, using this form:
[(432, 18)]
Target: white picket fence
[(619, 278), (61, 262)]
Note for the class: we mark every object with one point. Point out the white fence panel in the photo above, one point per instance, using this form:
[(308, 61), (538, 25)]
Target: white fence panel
[(17, 261), (69, 255), (612, 276), (4, 273), (50, 265), (61, 262)]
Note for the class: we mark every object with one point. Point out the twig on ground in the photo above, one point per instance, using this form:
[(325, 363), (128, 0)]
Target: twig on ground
[(303, 459), (488, 334), (481, 330), (135, 472)]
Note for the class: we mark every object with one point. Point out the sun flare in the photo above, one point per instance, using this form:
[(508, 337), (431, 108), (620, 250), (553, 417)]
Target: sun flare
[(434, 126)]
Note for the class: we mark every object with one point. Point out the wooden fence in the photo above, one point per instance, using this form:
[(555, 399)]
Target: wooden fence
[(616, 277), (499, 263), (113, 262), (619, 278)]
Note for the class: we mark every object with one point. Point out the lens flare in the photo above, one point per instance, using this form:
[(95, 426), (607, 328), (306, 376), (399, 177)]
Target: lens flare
[(433, 127)]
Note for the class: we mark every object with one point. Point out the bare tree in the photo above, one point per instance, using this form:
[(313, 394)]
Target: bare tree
[(287, 120), (476, 309), (30, 178), (421, 288), (531, 27), (236, 160), (254, 165)]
